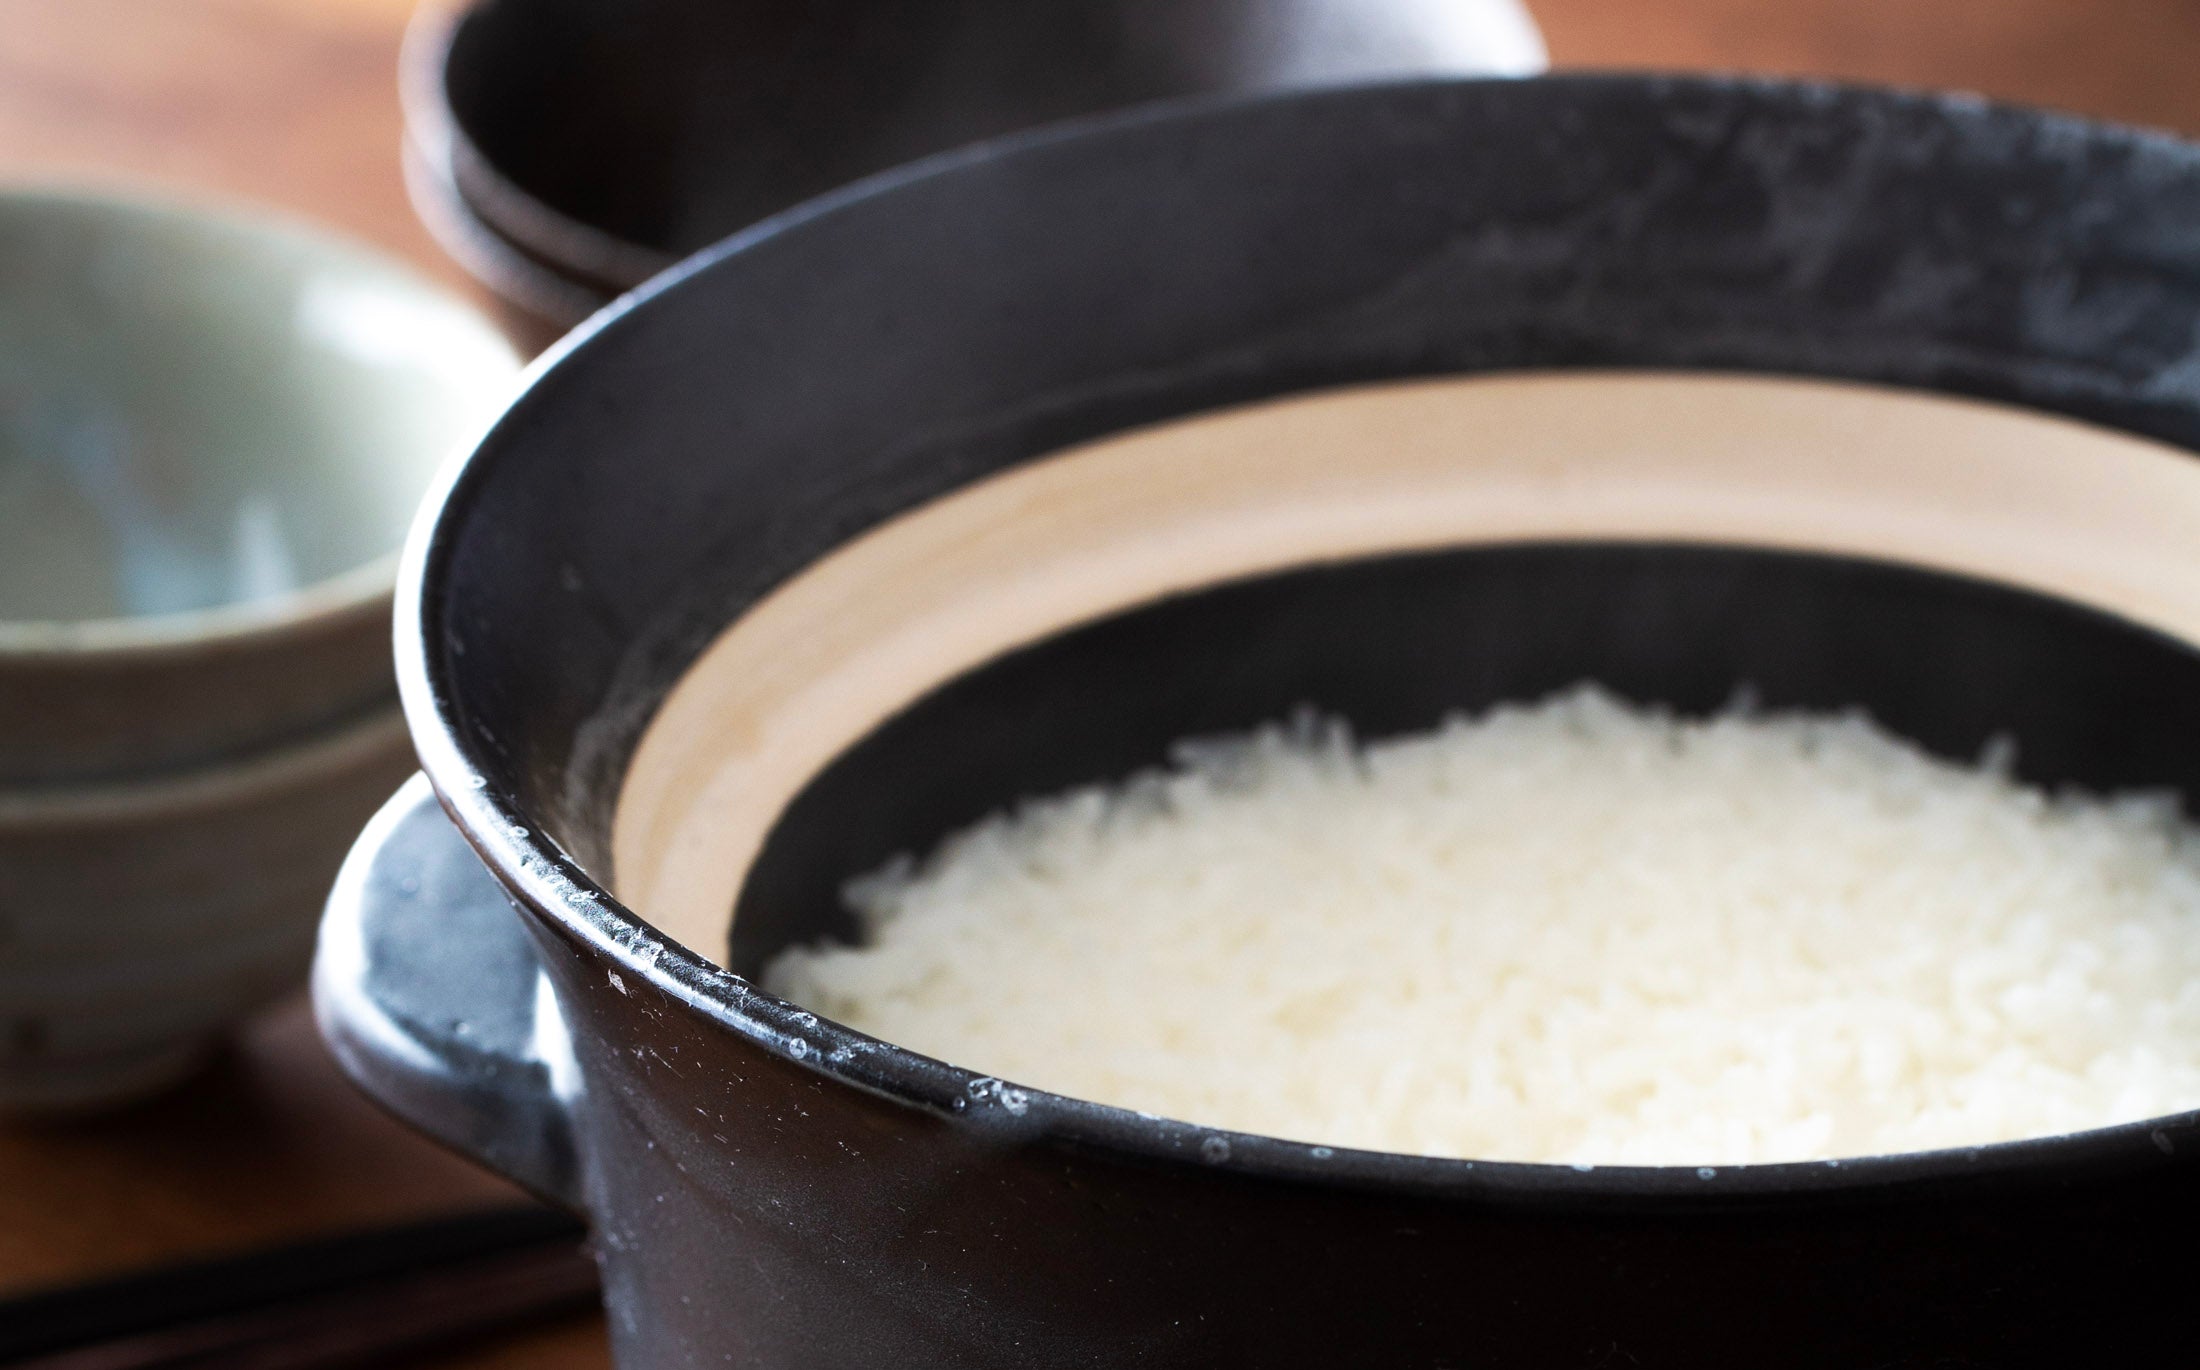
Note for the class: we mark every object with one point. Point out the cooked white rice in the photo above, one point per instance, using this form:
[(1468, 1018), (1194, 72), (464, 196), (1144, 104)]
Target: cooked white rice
[(1580, 932)]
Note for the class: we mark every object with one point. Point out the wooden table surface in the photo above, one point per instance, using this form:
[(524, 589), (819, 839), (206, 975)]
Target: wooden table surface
[(291, 102)]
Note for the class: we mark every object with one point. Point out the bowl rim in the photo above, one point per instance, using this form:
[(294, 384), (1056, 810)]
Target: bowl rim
[(584, 256), (522, 281), (291, 765), (356, 596), (547, 884)]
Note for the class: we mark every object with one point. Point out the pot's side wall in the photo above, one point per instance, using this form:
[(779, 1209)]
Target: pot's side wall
[(752, 1213)]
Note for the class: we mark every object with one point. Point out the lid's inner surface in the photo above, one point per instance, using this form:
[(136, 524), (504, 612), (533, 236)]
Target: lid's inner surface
[(1568, 458)]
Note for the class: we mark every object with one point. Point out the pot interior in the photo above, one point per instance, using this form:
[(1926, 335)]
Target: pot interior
[(1390, 554), (1395, 643)]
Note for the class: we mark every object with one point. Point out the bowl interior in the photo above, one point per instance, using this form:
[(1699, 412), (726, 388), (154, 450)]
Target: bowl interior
[(201, 409), (671, 123)]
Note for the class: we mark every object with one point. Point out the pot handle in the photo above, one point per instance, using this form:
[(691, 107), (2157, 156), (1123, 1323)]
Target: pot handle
[(428, 991)]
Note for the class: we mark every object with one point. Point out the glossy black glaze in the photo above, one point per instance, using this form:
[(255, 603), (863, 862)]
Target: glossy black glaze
[(604, 142), (428, 998), (773, 1188)]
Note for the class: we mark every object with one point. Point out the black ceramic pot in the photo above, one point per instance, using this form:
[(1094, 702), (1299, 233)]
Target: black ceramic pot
[(769, 1189), (567, 150)]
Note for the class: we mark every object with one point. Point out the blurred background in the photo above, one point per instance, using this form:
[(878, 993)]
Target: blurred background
[(293, 103)]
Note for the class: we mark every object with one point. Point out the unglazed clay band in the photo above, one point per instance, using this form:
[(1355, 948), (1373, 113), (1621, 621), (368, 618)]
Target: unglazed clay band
[(1958, 485)]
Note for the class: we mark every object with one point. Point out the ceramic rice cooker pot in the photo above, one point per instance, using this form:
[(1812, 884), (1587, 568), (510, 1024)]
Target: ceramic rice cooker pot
[(882, 515)]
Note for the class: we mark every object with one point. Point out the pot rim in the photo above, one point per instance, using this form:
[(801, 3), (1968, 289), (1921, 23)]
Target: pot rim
[(553, 888)]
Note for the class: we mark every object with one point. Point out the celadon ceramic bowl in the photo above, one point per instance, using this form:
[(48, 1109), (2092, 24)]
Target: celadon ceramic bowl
[(214, 426), (139, 920)]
